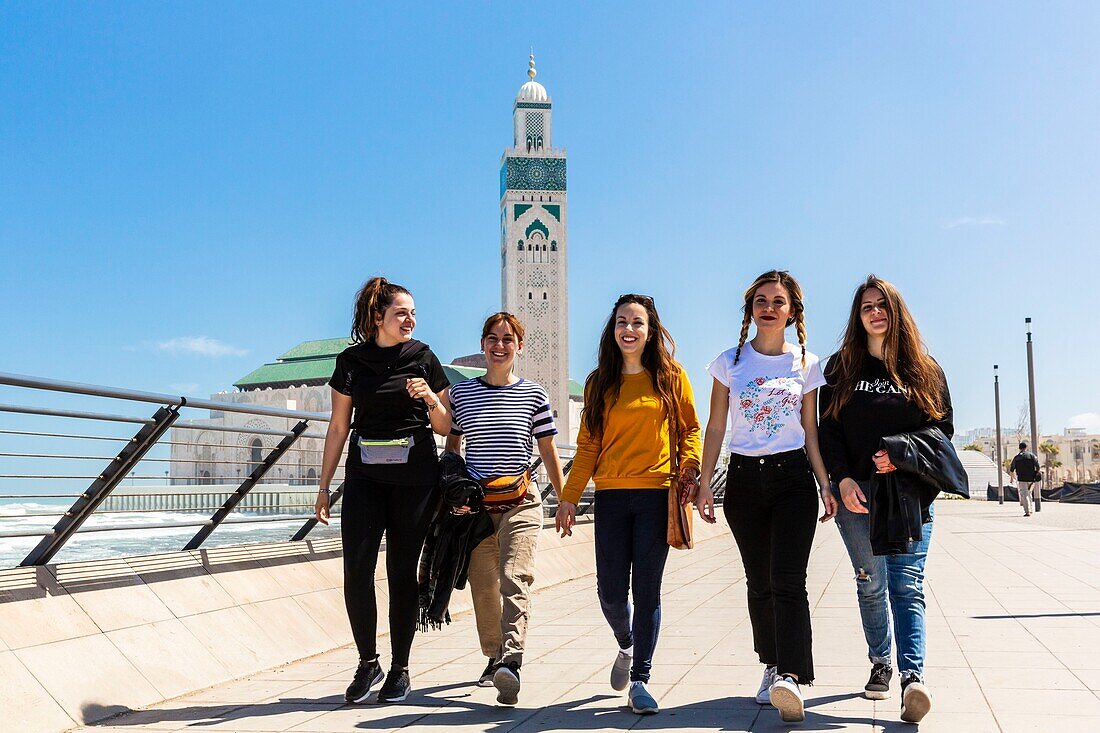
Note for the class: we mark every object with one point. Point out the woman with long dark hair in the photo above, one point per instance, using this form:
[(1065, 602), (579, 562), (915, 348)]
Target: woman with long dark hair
[(384, 394), (634, 399), (882, 382), (765, 390)]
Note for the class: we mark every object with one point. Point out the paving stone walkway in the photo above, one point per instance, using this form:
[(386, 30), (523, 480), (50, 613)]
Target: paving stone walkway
[(1013, 627)]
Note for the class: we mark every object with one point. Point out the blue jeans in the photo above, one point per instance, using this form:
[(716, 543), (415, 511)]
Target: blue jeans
[(632, 535), (898, 579)]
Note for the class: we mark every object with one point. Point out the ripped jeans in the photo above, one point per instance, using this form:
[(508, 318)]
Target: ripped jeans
[(898, 579)]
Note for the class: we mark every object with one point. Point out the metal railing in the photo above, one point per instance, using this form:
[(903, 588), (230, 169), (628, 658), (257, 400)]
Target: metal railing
[(223, 470)]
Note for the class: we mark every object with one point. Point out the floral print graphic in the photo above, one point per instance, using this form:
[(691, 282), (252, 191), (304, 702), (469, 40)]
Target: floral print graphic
[(766, 402)]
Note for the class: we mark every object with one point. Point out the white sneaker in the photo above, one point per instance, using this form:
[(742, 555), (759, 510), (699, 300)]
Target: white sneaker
[(787, 699), (620, 669), (763, 695)]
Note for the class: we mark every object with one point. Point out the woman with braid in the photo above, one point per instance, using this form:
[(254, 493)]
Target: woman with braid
[(768, 389)]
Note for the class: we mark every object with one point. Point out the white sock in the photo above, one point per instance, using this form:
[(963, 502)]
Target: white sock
[(629, 650)]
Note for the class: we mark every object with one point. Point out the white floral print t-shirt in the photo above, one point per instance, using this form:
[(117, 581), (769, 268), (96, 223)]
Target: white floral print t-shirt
[(766, 397)]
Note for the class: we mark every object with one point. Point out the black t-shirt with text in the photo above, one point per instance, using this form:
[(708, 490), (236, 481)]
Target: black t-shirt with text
[(375, 378), (878, 408)]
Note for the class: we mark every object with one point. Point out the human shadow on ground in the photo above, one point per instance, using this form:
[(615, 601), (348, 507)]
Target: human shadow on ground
[(442, 710), (1006, 616)]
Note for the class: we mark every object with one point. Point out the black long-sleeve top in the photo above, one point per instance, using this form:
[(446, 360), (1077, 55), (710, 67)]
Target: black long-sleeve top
[(877, 408)]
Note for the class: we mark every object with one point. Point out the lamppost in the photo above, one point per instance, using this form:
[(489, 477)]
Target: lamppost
[(999, 462), (1031, 401)]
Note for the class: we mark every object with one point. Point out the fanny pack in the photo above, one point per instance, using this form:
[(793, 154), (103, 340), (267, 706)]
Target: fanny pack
[(382, 451), (503, 493)]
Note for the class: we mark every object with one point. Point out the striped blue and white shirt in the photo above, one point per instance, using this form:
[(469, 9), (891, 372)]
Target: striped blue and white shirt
[(500, 424)]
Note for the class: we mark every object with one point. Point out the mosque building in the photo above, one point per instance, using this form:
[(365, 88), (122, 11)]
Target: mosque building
[(534, 286)]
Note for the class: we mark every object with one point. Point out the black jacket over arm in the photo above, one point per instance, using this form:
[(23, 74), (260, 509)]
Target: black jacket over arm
[(926, 464)]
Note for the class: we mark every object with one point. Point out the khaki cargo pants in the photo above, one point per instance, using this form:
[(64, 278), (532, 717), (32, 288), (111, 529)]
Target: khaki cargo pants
[(502, 570)]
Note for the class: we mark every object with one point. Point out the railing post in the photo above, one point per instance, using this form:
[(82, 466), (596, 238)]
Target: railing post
[(306, 528), (101, 487), (246, 486)]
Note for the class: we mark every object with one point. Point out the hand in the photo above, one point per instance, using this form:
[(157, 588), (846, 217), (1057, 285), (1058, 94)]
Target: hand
[(689, 485), (830, 504), (565, 518), (704, 503), (419, 390), (853, 497), (882, 462), (321, 507)]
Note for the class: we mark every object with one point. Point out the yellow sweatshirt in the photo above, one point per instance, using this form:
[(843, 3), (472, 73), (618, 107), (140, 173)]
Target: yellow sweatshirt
[(633, 452)]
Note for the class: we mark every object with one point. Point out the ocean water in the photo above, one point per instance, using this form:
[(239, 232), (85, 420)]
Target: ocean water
[(41, 514)]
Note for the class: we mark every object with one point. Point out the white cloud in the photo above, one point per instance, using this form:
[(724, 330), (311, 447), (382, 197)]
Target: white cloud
[(1090, 421), (975, 221), (184, 389), (201, 345)]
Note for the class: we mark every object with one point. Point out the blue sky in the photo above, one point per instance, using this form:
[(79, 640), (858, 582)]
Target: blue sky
[(187, 190)]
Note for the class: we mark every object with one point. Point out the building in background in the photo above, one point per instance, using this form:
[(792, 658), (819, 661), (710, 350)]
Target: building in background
[(1076, 455)]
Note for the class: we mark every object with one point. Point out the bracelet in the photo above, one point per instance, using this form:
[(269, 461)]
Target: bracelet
[(432, 405), (324, 490)]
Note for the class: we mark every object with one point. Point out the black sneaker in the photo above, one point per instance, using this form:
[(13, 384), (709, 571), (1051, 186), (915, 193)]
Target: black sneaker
[(915, 698), (396, 687), (506, 680), (878, 685), (367, 675), (486, 679)]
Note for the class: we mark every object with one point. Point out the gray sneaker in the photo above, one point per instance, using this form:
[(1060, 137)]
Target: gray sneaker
[(620, 670), (641, 702)]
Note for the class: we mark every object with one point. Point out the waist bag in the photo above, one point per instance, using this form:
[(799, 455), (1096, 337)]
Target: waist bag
[(503, 493), (395, 450)]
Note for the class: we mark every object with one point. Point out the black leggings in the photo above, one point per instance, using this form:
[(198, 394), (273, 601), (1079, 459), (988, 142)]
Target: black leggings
[(403, 512)]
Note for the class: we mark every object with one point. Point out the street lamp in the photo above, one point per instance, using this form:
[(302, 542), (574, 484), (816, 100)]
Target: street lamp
[(1031, 401), (999, 462)]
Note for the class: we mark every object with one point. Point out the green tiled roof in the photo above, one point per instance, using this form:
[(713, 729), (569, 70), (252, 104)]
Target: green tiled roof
[(316, 349), (312, 362), (281, 373)]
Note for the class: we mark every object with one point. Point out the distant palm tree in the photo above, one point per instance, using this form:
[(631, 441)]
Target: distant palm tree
[(1049, 450)]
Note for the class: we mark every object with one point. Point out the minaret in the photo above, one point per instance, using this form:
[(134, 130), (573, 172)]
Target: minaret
[(533, 245)]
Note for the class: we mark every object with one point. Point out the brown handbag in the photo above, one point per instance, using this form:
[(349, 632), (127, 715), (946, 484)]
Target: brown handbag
[(679, 513)]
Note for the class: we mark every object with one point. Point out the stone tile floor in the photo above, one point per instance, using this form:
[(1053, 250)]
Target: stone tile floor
[(1013, 626)]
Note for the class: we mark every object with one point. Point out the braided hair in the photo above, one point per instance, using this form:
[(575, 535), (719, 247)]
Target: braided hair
[(798, 315)]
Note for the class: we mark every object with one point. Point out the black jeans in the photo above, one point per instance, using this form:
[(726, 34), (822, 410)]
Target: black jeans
[(403, 512), (632, 535), (771, 506)]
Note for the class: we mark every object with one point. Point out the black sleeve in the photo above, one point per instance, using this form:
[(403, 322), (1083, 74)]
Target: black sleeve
[(1012, 466), (947, 422), (341, 376), (831, 435), (437, 378)]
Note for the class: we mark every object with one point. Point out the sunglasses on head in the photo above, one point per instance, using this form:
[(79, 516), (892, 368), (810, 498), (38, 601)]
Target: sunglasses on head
[(645, 300)]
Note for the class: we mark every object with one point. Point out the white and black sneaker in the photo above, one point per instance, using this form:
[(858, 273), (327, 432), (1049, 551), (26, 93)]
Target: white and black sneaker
[(506, 680), (915, 699), (878, 684), (367, 675), (486, 679), (787, 699), (396, 687), (764, 694)]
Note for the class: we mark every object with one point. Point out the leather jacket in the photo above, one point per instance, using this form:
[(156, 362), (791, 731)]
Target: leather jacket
[(926, 464)]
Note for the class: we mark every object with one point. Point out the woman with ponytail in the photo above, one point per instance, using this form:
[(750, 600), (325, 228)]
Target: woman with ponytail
[(384, 394), (636, 400), (766, 391), (882, 382)]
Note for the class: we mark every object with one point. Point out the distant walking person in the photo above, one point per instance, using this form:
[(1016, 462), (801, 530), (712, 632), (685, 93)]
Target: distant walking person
[(1025, 467), (883, 383), (502, 417), (384, 394), (766, 391), (635, 398)]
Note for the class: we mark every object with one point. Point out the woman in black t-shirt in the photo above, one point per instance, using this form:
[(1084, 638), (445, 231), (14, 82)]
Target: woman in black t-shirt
[(384, 394), (882, 382)]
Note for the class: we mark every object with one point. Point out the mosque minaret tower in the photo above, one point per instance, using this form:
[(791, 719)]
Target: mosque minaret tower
[(534, 245)]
